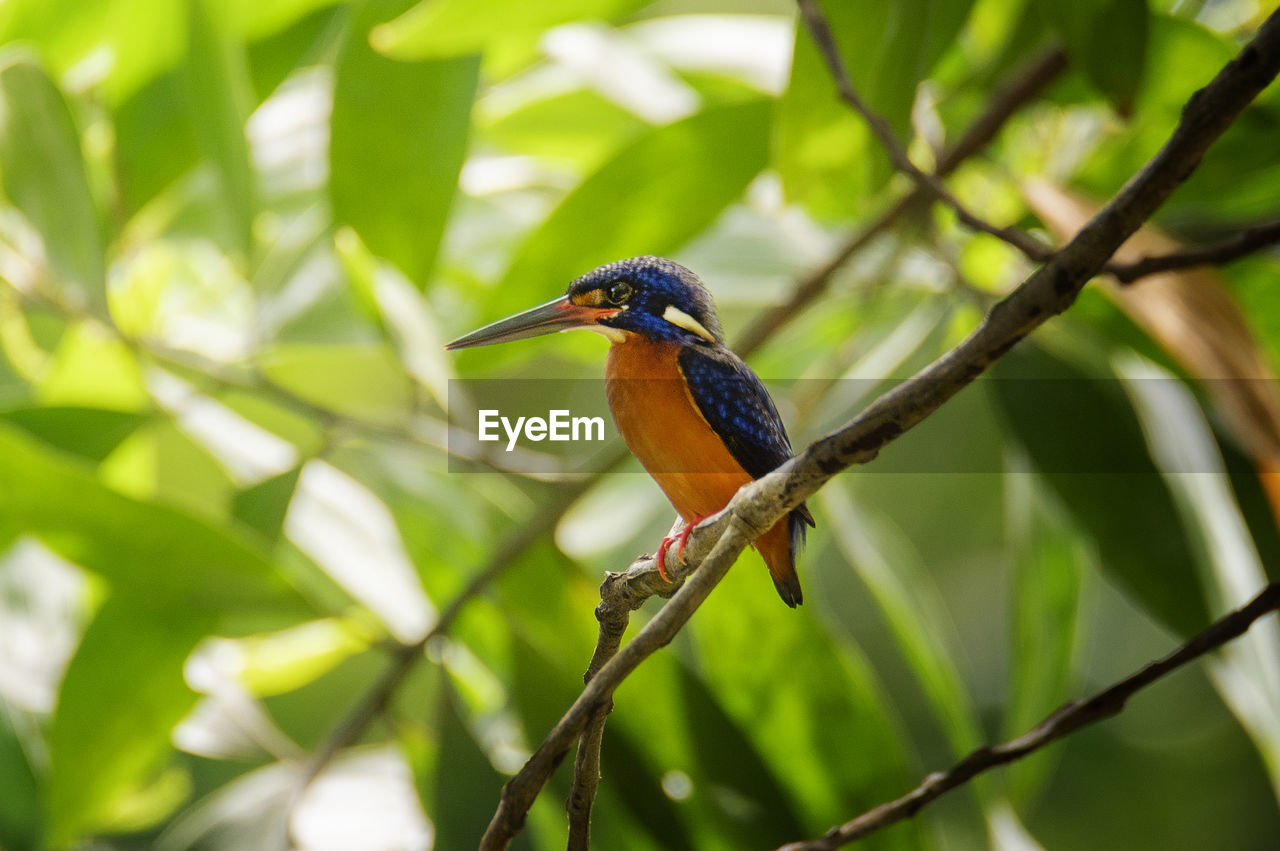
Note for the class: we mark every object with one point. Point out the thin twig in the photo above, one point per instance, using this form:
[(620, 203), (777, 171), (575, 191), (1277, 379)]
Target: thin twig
[(1025, 83), (822, 37), (1215, 254), (1066, 720), (717, 542)]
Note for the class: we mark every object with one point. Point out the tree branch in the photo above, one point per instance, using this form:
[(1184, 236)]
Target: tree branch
[(1215, 254), (1023, 86), (614, 614), (1066, 720), (717, 542), (930, 183)]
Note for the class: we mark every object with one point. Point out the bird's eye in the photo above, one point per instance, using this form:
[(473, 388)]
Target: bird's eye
[(619, 292)]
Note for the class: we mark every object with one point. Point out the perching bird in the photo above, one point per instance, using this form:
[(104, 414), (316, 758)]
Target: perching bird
[(696, 416)]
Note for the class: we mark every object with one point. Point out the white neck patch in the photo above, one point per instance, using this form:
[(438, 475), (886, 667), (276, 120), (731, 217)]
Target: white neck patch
[(679, 318)]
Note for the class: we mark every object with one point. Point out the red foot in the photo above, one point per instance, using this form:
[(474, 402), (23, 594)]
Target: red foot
[(680, 538)]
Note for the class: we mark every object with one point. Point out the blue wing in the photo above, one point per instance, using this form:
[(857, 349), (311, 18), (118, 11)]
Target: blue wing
[(735, 403)]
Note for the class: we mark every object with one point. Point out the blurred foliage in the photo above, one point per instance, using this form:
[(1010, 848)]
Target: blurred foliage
[(232, 238)]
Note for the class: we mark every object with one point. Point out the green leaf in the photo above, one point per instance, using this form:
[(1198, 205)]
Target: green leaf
[(90, 432), (753, 805), (179, 562), (122, 695), (398, 139), (1049, 563), (465, 784), (905, 593), (1085, 440), (1107, 40), (138, 36), (44, 177), (218, 91), (439, 28), (362, 381), (19, 789), (155, 141), (826, 157), (263, 506), (660, 191)]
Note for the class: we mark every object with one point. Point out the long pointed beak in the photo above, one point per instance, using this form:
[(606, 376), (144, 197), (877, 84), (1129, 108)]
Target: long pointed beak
[(558, 315)]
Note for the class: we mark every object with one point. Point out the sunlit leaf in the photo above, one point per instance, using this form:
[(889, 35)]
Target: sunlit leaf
[(91, 432), (121, 697), (658, 192), (216, 83), (399, 133), (44, 177), (438, 28), (185, 563)]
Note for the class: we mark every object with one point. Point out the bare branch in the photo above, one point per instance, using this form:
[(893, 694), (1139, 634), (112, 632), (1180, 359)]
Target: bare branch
[(1066, 720), (1215, 254), (717, 542), (614, 614), (1024, 85), (821, 32)]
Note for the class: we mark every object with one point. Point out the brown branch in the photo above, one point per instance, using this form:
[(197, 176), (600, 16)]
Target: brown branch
[(1215, 254), (614, 615), (1024, 85), (1050, 290), (932, 184), (1066, 720)]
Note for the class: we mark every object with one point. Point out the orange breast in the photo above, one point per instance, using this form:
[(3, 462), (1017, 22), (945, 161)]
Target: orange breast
[(658, 419)]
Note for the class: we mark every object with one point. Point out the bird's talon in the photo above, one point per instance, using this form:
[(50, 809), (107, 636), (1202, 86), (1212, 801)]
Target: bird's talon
[(661, 558)]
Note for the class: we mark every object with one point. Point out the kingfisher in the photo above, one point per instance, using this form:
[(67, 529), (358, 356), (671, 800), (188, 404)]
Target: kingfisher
[(697, 418)]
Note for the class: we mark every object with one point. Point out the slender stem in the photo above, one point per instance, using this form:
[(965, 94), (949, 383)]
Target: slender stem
[(1233, 247), (1024, 85), (1049, 291), (1066, 720)]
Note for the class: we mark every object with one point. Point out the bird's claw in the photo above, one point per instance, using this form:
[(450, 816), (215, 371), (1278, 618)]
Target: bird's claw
[(680, 539)]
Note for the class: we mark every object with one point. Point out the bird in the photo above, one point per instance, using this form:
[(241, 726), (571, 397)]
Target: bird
[(699, 420)]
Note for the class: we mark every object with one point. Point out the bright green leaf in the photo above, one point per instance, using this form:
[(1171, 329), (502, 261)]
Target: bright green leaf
[(179, 561), (91, 432), (121, 697), (398, 138), (44, 176), (437, 28), (660, 191), (218, 91)]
